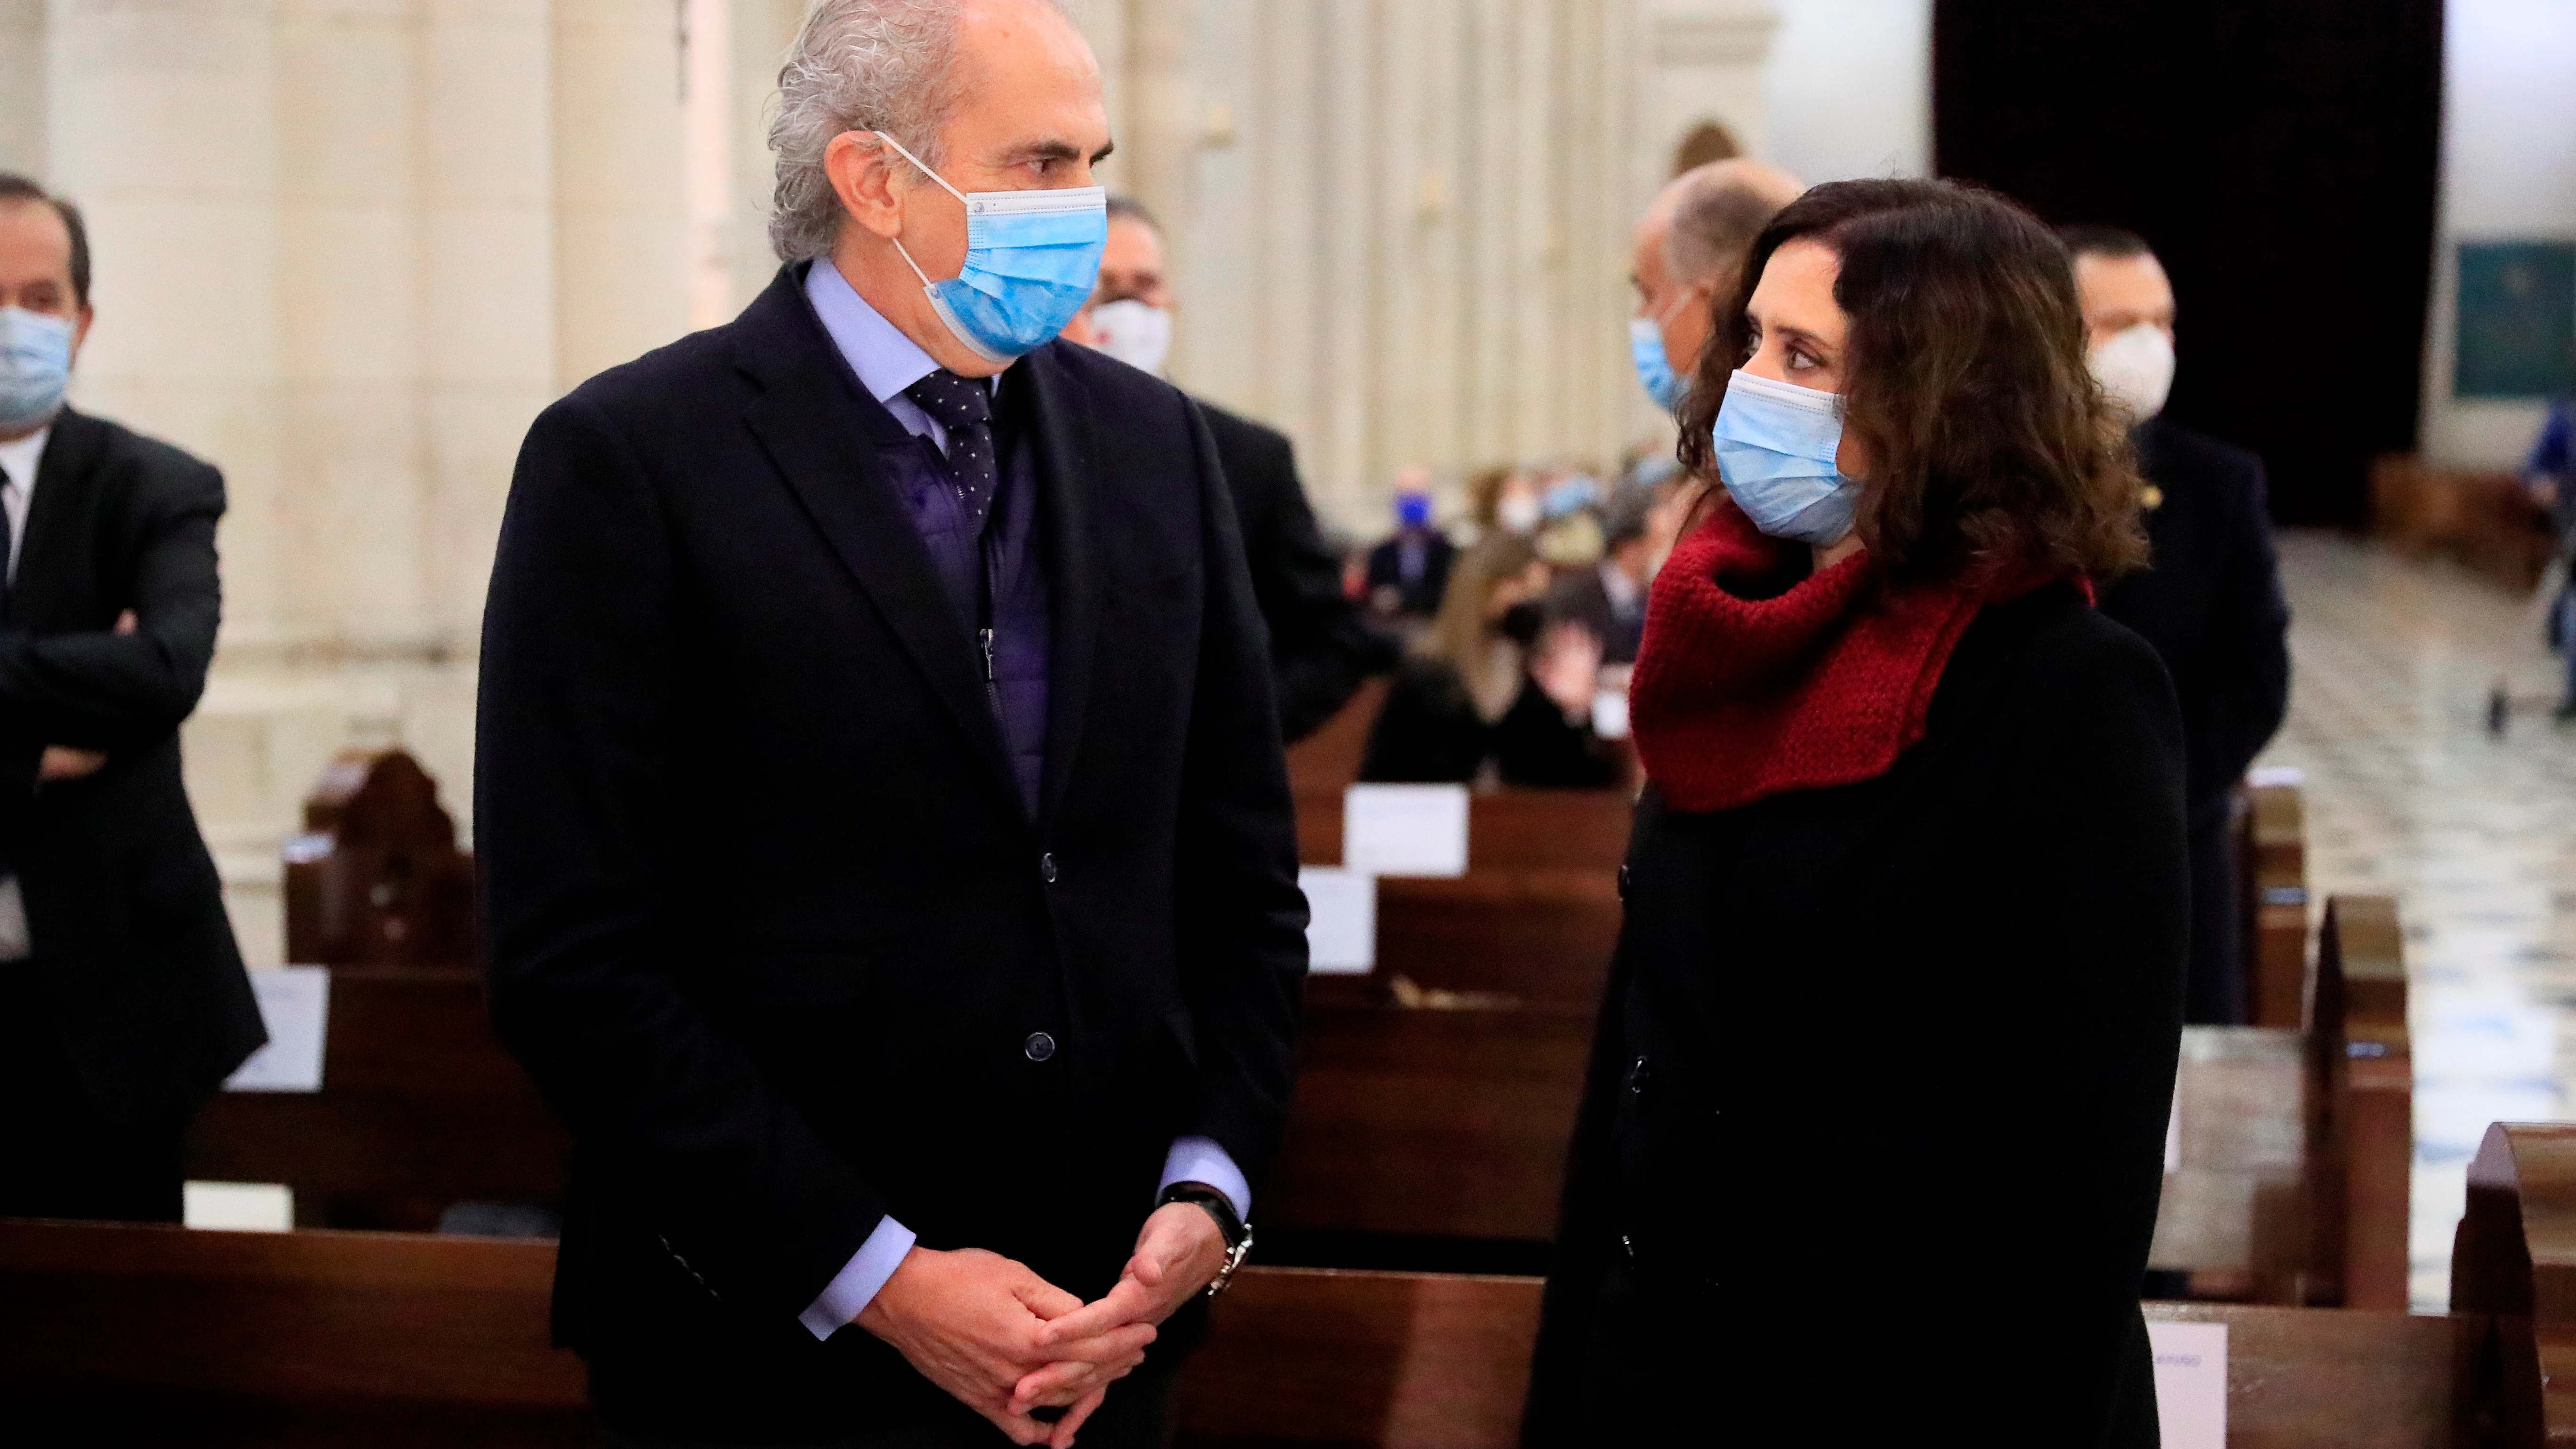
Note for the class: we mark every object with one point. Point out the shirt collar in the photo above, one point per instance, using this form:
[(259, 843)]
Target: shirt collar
[(886, 361), (21, 459)]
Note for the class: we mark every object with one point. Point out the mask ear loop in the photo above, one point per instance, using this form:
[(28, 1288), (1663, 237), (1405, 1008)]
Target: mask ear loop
[(926, 283)]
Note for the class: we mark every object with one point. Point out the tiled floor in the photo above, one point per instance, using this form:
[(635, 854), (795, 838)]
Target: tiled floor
[(2409, 793)]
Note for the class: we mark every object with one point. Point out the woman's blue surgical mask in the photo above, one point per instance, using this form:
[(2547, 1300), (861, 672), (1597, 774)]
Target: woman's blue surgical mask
[(1031, 260), (1646, 349), (1776, 443), (35, 367)]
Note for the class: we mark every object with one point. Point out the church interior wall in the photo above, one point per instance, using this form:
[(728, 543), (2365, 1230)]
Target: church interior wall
[(2508, 173)]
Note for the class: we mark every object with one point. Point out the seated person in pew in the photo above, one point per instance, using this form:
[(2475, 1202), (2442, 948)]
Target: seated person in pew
[(1910, 856), (1497, 688), (888, 861)]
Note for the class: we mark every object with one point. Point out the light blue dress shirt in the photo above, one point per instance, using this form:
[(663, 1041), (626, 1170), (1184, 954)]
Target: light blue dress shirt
[(887, 362)]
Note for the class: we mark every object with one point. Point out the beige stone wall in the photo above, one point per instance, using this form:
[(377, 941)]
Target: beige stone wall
[(347, 249)]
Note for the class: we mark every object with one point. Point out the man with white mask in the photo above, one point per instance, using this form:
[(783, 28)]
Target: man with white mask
[(2210, 600), (1320, 647), (889, 868)]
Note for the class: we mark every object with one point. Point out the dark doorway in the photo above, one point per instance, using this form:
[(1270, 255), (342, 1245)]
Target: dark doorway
[(2282, 157)]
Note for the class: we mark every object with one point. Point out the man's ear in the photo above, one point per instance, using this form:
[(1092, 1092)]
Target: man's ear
[(862, 169), (80, 329)]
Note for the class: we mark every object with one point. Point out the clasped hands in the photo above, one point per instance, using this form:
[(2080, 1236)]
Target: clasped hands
[(1007, 1343)]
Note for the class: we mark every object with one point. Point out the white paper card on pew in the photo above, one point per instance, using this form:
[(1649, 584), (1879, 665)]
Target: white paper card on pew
[(238, 1207), (294, 1002), (2191, 1383), (1341, 924), (1405, 830)]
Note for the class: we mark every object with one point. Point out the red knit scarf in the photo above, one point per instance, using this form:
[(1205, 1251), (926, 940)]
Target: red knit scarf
[(1745, 689)]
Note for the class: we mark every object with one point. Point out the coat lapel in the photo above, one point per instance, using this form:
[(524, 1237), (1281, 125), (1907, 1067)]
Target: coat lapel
[(809, 420), (68, 471), (1068, 472)]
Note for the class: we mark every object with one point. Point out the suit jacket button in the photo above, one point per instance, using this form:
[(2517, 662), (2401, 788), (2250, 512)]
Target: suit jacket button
[(1639, 1074), (1039, 1046), (1046, 868), (1623, 882)]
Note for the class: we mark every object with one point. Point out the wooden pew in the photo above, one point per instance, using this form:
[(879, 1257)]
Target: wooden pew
[(420, 1109), (155, 1335), (1311, 1357), (328, 1338), (1329, 759), (376, 879), (2271, 860), (1509, 828), (2297, 1147)]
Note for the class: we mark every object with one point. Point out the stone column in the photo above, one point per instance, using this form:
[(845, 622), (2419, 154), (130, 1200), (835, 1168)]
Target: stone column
[(620, 188), (22, 87)]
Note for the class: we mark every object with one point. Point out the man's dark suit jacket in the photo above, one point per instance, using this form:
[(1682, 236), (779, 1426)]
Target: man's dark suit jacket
[(1422, 596), (2210, 602), (1320, 648), (133, 951), (769, 922)]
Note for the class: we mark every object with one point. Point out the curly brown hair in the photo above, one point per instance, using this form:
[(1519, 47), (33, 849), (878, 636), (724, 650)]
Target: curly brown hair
[(1991, 446)]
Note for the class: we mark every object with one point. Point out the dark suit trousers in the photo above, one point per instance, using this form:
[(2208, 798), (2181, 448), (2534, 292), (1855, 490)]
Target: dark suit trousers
[(2214, 992), (59, 1158)]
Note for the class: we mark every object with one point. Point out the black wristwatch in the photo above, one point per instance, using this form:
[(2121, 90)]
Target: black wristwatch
[(1237, 1232)]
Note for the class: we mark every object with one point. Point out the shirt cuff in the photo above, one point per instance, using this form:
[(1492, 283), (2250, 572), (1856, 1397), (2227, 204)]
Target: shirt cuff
[(1200, 1159), (857, 1284)]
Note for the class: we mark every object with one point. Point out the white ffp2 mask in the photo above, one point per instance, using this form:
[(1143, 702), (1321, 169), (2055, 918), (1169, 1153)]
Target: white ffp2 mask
[(2136, 369)]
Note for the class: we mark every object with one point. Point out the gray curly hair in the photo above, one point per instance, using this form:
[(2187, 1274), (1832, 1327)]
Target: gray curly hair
[(857, 65)]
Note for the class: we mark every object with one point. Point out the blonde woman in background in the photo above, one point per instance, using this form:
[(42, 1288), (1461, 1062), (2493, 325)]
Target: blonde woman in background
[(1495, 689)]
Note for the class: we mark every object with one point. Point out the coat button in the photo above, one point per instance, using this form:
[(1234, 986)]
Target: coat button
[(1628, 1247), (1640, 1073), (1623, 882), (1046, 868), (1039, 1046)]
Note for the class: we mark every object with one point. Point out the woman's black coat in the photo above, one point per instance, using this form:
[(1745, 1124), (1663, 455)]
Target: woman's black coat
[(1873, 1136)]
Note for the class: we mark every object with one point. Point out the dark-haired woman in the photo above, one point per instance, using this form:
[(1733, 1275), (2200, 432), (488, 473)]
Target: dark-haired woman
[(1898, 995)]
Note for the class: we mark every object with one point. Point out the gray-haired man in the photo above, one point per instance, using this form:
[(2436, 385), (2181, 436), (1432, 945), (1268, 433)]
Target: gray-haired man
[(890, 866)]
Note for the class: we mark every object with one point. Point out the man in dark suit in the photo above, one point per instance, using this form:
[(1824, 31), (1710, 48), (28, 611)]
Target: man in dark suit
[(889, 862), (1320, 648), (1408, 574), (2210, 601), (122, 996)]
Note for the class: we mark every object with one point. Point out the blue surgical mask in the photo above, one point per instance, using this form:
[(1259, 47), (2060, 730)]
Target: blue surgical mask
[(1646, 349), (35, 366), (1031, 260), (1776, 443)]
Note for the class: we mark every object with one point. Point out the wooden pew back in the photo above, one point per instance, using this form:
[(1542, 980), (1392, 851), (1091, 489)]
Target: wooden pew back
[(2272, 850), (166, 1335), (419, 1109), (376, 878), (2296, 1148)]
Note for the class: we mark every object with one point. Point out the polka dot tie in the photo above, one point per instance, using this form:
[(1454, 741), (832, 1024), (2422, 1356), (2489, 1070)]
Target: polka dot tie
[(964, 407)]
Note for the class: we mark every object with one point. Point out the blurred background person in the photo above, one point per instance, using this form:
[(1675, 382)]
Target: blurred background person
[(1685, 256), (1895, 764), (1409, 572), (1503, 499), (2550, 473), (1495, 690), (2210, 598), (123, 1002), (1609, 598), (1320, 647)]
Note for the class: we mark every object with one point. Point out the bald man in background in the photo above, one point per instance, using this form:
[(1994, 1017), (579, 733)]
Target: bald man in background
[(1689, 251)]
